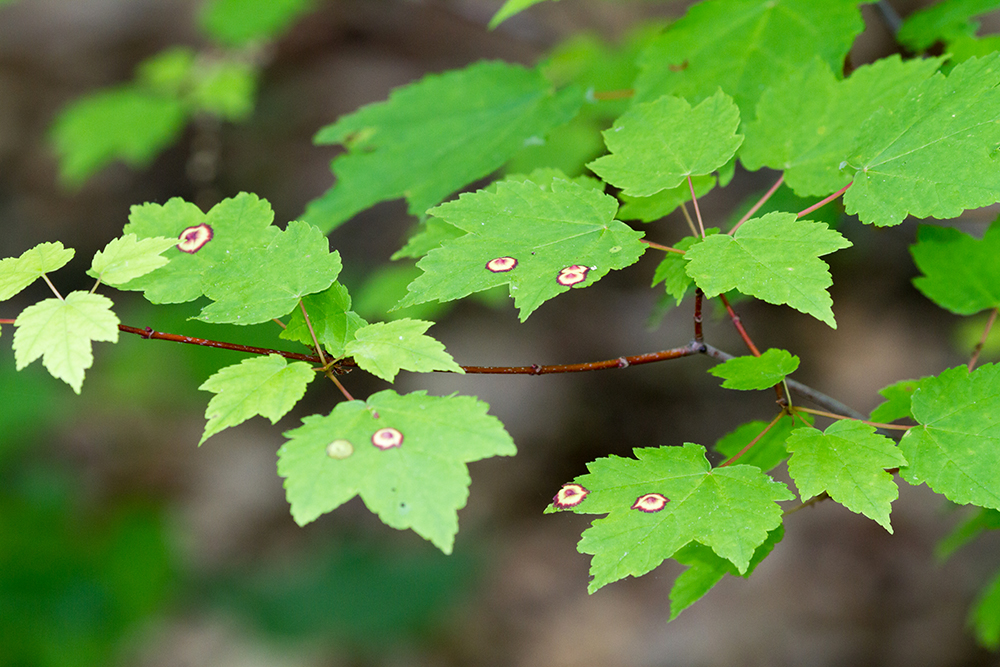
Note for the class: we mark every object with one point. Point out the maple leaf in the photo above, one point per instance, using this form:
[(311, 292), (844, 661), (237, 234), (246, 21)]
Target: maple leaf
[(231, 227), (744, 46), (775, 258), (664, 202), (237, 22), (961, 273), (769, 450), (672, 269), (931, 154), (128, 257), (897, 404), (540, 241), (16, 273), (848, 460), (432, 137), (266, 282), (808, 123), (384, 348), (761, 372), (943, 21), (956, 448), (666, 498), (332, 320), (656, 145), (267, 386), (404, 455), (61, 331)]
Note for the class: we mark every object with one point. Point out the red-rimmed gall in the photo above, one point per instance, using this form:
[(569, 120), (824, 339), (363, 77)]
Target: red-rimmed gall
[(387, 438), (572, 275), (194, 238), (570, 495), (501, 264), (651, 502)]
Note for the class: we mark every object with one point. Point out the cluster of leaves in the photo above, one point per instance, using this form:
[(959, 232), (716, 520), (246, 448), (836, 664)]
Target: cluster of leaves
[(755, 81)]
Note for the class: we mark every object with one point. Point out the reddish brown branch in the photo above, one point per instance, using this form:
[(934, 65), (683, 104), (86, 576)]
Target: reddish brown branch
[(691, 348), (739, 326), (247, 349)]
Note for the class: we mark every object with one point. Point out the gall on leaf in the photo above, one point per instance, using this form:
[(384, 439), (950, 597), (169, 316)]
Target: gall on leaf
[(194, 238), (339, 449), (570, 495), (387, 438), (501, 264), (650, 502), (572, 275)]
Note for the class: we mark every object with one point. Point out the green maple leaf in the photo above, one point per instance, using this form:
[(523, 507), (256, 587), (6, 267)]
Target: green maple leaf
[(542, 236), (267, 386), (769, 450), (672, 269), (510, 8), (266, 282), (126, 123), (775, 258), (61, 331), (761, 372), (384, 348), (961, 273), (729, 509), (16, 273), (985, 615), (956, 448), (968, 530), (898, 400), (943, 21), (332, 320), (435, 136), (664, 202), (128, 257), (238, 22), (933, 153), (744, 46), (656, 145), (848, 460), (705, 570), (419, 484), (808, 124), (237, 224)]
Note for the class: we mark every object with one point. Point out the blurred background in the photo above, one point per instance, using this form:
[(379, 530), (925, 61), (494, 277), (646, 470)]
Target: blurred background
[(123, 543)]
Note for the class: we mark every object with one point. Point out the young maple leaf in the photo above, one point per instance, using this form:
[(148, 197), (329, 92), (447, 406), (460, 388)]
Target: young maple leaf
[(404, 455), (16, 273), (666, 498)]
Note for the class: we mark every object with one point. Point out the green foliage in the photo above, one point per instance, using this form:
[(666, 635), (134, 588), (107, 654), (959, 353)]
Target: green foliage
[(510, 8), (761, 372), (18, 273), (774, 258), (393, 452), (961, 273), (237, 22), (331, 317), (944, 21), (385, 348), (127, 258), (769, 450)]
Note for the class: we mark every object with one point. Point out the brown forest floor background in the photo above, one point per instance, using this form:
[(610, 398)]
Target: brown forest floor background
[(837, 591)]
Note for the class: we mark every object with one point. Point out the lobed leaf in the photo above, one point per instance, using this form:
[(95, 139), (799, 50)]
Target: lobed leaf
[(942, 21), (932, 153), (128, 257), (385, 348), (655, 146), (435, 136), (267, 386), (731, 510), (539, 241), (421, 483), (672, 269), (238, 22), (769, 450), (16, 273), (848, 460), (774, 258), (262, 283), (761, 372), (956, 448), (61, 331), (961, 273), (898, 399), (331, 317)]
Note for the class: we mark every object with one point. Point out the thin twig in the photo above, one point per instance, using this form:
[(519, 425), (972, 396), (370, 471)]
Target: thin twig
[(52, 287), (691, 348), (697, 211), (756, 207), (699, 297), (982, 340), (687, 218), (752, 442), (664, 248), (833, 415), (739, 326), (824, 201), (318, 347)]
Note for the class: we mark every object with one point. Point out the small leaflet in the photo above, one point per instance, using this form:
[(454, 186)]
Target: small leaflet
[(260, 284), (961, 273), (672, 270), (774, 258), (413, 474), (385, 348), (956, 448), (437, 135), (761, 372), (656, 145), (897, 404), (266, 386), (666, 498), (849, 461), (61, 332), (126, 258), (932, 153), (549, 240), (510, 8), (16, 273), (333, 321)]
